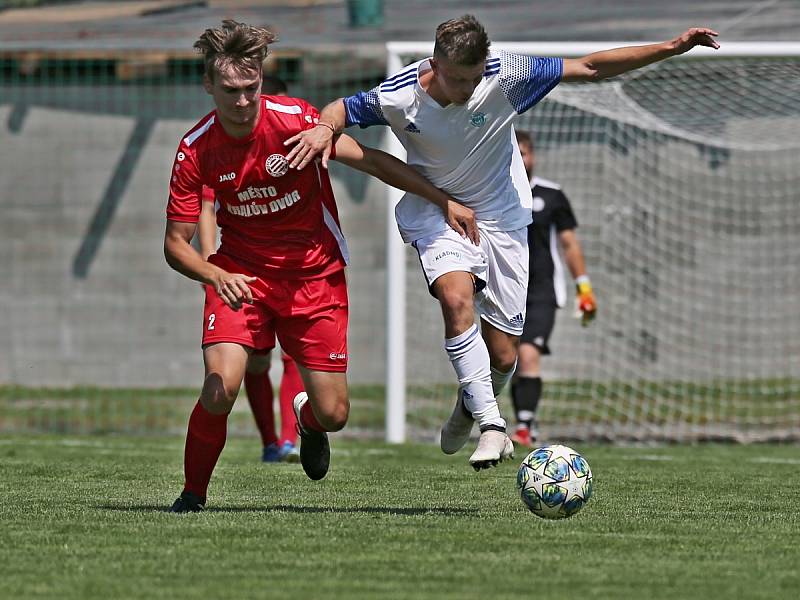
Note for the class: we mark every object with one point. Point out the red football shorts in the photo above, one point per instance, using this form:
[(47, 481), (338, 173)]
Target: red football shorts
[(309, 317)]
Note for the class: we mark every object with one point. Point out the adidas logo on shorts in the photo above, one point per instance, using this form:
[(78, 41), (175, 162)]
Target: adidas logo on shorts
[(411, 128), (517, 319)]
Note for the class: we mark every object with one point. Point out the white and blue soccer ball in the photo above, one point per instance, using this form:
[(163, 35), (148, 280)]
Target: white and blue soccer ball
[(554, 482)]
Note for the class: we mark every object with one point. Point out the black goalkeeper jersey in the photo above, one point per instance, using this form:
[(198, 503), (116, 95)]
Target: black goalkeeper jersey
[(552, 214)]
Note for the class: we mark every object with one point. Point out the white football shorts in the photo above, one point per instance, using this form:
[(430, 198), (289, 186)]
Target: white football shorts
[(500, 265)]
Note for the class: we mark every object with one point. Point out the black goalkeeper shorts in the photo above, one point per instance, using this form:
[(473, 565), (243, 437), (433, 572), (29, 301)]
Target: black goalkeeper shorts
[(540, 318)]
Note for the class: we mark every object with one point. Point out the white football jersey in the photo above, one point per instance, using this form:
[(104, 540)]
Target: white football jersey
[(467, 150)]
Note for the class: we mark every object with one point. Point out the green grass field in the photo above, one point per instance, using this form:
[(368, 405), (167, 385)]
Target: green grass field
[(84, 517)]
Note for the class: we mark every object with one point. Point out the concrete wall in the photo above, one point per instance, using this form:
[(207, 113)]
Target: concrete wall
[(131, 320)]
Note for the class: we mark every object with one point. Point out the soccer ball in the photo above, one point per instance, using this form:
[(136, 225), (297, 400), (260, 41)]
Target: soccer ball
[(554, 482)]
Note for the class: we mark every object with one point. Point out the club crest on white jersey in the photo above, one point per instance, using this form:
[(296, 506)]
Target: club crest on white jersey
[(478, 119)]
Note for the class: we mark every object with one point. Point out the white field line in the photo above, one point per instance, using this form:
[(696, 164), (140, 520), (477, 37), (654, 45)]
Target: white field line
[(654, 457), (776, 461)]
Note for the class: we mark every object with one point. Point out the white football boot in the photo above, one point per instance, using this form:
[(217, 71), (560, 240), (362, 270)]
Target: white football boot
[(457, 428), (493, 448)]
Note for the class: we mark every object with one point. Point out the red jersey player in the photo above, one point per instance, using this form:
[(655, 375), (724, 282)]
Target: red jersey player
[(279, 270), (257, 382)]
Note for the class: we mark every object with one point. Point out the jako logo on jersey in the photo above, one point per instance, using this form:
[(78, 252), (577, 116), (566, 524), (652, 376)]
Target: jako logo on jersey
[(411, 128), (277, 165), (335, 356), (478, 119), (227, 177), (517, 319)]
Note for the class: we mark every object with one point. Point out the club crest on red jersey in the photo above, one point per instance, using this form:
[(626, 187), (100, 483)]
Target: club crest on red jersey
[(277, 165)]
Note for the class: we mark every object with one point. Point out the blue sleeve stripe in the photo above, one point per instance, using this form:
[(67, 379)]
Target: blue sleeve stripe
[(399, 87), (492, 67), (364, 109), (402, 73), (390, 87)]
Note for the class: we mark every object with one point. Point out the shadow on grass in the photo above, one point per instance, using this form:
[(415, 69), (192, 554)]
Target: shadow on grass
[(385, 510)]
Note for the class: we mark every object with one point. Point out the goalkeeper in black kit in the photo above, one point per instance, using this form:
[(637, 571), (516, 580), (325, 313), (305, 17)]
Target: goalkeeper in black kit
[(553, 225)]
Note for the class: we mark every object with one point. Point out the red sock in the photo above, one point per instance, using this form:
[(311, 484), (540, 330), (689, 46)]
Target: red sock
[(291, 385), (259, 394), (204, 442), (308, 420)]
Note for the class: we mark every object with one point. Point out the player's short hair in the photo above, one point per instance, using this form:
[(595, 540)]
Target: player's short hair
[(523, 137), (273, 86), (462, 41), (241, 46)]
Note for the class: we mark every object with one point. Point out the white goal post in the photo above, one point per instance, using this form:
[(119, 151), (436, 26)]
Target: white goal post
[(773, 135)]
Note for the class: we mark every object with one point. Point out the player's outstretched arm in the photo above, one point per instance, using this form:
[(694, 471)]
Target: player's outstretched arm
[(608, 63), (181, 256), (398, 174), (319, 139)]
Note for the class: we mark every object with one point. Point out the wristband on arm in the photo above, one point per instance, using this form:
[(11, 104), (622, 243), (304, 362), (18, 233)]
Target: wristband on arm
[(328, 125), (583, 284)]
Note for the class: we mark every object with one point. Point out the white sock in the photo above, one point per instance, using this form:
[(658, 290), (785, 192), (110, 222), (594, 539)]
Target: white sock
[(500, 379), (470, 358)]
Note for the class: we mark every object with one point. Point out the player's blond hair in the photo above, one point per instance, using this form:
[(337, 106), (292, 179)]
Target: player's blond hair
[(238, 45), (462, 41)]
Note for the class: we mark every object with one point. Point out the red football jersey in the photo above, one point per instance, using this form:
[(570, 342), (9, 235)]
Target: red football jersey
[(279, 221)]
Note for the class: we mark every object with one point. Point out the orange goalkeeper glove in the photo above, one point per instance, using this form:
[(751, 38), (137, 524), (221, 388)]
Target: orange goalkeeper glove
[(585, 303)]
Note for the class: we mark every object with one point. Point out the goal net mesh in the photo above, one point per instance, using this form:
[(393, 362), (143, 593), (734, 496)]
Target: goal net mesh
[(684, 178)]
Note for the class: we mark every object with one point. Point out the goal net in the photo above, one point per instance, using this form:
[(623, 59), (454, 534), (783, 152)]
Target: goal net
[(684, 177)]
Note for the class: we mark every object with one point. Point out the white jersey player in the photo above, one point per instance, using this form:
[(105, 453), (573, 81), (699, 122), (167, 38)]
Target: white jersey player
[(480, 165), (454, 114)]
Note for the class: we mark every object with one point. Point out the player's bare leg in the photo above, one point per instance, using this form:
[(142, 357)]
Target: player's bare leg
[(224, 367), (455, 292), (469, 355), (503, 351), (291, 386), (323, 407)]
